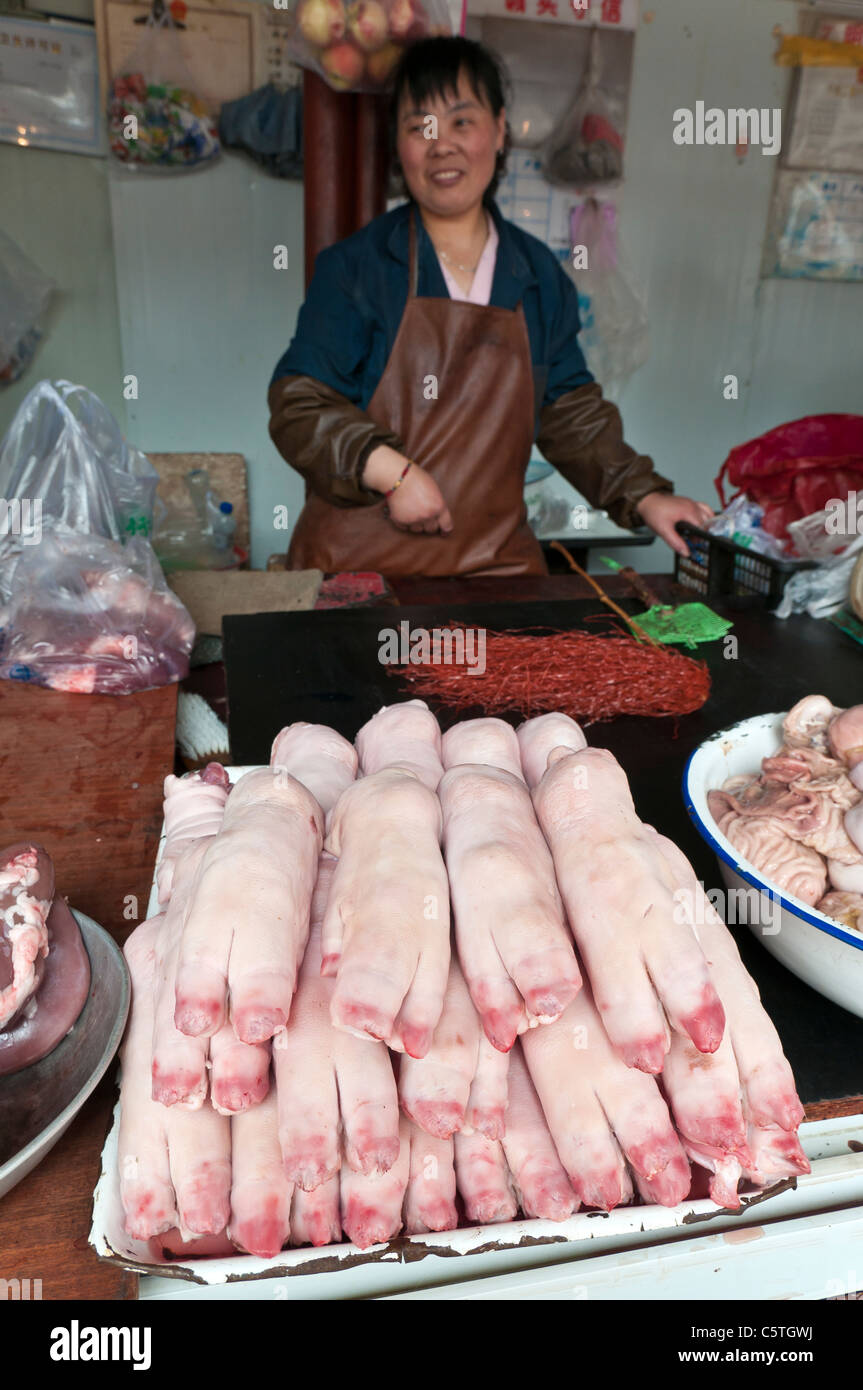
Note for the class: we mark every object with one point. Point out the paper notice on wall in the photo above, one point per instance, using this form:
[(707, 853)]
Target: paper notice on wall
[(827, 123), (817, 227), (526, 199), (49, 86)]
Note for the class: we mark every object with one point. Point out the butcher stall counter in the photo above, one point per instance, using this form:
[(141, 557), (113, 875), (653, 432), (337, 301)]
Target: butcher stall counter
[(84, 774)]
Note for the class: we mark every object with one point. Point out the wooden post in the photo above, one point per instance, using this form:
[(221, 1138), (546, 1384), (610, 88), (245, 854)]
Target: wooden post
[(344, 163)]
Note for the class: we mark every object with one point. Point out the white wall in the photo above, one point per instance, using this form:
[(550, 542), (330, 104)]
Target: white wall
[(55, 206), (204, 317)]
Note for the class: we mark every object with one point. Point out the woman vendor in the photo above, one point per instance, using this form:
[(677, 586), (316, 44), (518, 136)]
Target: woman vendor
[(434, 347)]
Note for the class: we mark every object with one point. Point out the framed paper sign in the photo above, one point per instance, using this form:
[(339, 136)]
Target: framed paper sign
[(49, 86)]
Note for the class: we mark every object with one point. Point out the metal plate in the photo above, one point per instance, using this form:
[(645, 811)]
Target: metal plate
[(39, 1103)]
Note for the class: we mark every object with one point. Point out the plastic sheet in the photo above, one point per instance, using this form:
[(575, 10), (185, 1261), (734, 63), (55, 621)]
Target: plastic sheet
[(741, 523), (614, 336), (268, 125), (89, 615), (24, 297), (821, 591)]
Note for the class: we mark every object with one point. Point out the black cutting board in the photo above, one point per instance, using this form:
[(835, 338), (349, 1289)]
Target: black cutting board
[(324, 667)]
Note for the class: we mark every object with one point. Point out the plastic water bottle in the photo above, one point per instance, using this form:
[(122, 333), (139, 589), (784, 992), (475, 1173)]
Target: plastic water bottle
[(224, 525)]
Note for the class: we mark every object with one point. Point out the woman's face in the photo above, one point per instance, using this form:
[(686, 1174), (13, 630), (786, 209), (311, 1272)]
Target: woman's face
[(449, 162)]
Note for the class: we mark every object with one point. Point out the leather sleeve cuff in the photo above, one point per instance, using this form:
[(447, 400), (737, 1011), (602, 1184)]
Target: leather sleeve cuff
[(326, 438), (581, 435)]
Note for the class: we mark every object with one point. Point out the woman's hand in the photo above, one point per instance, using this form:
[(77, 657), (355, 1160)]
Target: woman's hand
[(417, 503), (662, 510)]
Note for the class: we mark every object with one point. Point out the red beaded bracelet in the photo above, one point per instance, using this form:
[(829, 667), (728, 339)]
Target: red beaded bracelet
[(399, 480)]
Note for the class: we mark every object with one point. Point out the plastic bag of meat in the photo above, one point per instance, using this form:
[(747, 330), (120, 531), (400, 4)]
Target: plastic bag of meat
[(92, 616), (44, 967), (586, 146), (64, 461)]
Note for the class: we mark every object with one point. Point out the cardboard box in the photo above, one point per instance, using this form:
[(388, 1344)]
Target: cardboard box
[(210, 594)]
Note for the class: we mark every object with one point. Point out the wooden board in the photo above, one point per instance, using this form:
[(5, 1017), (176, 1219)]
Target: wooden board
[(227, 473), (82, 774)]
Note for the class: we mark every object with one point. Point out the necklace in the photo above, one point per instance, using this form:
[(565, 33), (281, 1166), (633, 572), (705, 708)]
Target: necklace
[(468, 269)]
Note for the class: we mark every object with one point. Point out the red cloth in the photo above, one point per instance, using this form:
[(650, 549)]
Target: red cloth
[(797, 468)]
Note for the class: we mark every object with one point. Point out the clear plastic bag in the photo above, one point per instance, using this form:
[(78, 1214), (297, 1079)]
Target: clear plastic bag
[(24, 297), (268, 124), (741, 523), (65, 450), (812, 539), (156, 119), (89, 615), (821, 591), (586, 146), (355, 47), (614, 336)]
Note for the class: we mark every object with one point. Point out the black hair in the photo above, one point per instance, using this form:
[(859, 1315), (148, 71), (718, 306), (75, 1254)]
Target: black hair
[(431, 68)]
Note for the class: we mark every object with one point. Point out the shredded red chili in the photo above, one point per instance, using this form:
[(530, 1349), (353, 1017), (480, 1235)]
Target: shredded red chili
[(587, 676)]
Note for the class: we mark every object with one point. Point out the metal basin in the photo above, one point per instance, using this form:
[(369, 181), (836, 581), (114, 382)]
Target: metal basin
[(39, 1103)]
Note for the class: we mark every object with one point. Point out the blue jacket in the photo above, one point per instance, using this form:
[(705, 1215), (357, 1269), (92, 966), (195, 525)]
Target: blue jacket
[(347, 326)]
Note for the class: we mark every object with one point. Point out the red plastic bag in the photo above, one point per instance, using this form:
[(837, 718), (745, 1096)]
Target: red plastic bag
[(797, 468)]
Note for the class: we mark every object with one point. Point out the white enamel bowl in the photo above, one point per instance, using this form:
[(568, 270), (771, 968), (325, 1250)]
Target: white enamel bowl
[(821, 952)]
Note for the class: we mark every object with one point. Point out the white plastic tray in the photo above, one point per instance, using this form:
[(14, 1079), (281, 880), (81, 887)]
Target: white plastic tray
[(110, 1241)]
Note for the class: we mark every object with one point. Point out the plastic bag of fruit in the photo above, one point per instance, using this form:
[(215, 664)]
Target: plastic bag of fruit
[(354, 45)]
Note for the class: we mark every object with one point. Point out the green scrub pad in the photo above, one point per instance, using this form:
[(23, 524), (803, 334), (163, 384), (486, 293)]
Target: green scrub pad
[(688, 624), (848, 622)]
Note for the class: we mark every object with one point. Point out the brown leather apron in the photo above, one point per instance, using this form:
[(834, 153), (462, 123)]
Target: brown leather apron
[(474, 438)]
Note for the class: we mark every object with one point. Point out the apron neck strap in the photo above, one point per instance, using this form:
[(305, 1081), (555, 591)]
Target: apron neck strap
[(413, 269)]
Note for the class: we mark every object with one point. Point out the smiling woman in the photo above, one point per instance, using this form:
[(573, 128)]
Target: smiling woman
[(435, 347)]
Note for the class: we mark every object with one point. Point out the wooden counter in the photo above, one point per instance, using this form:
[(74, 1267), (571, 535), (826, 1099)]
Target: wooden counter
[(82, 774)]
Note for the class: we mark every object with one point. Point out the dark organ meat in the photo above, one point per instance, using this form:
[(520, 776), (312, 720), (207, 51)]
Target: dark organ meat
[(53, 1010), (508, 1085), (44, 966), (799, 821), (26, 894)]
